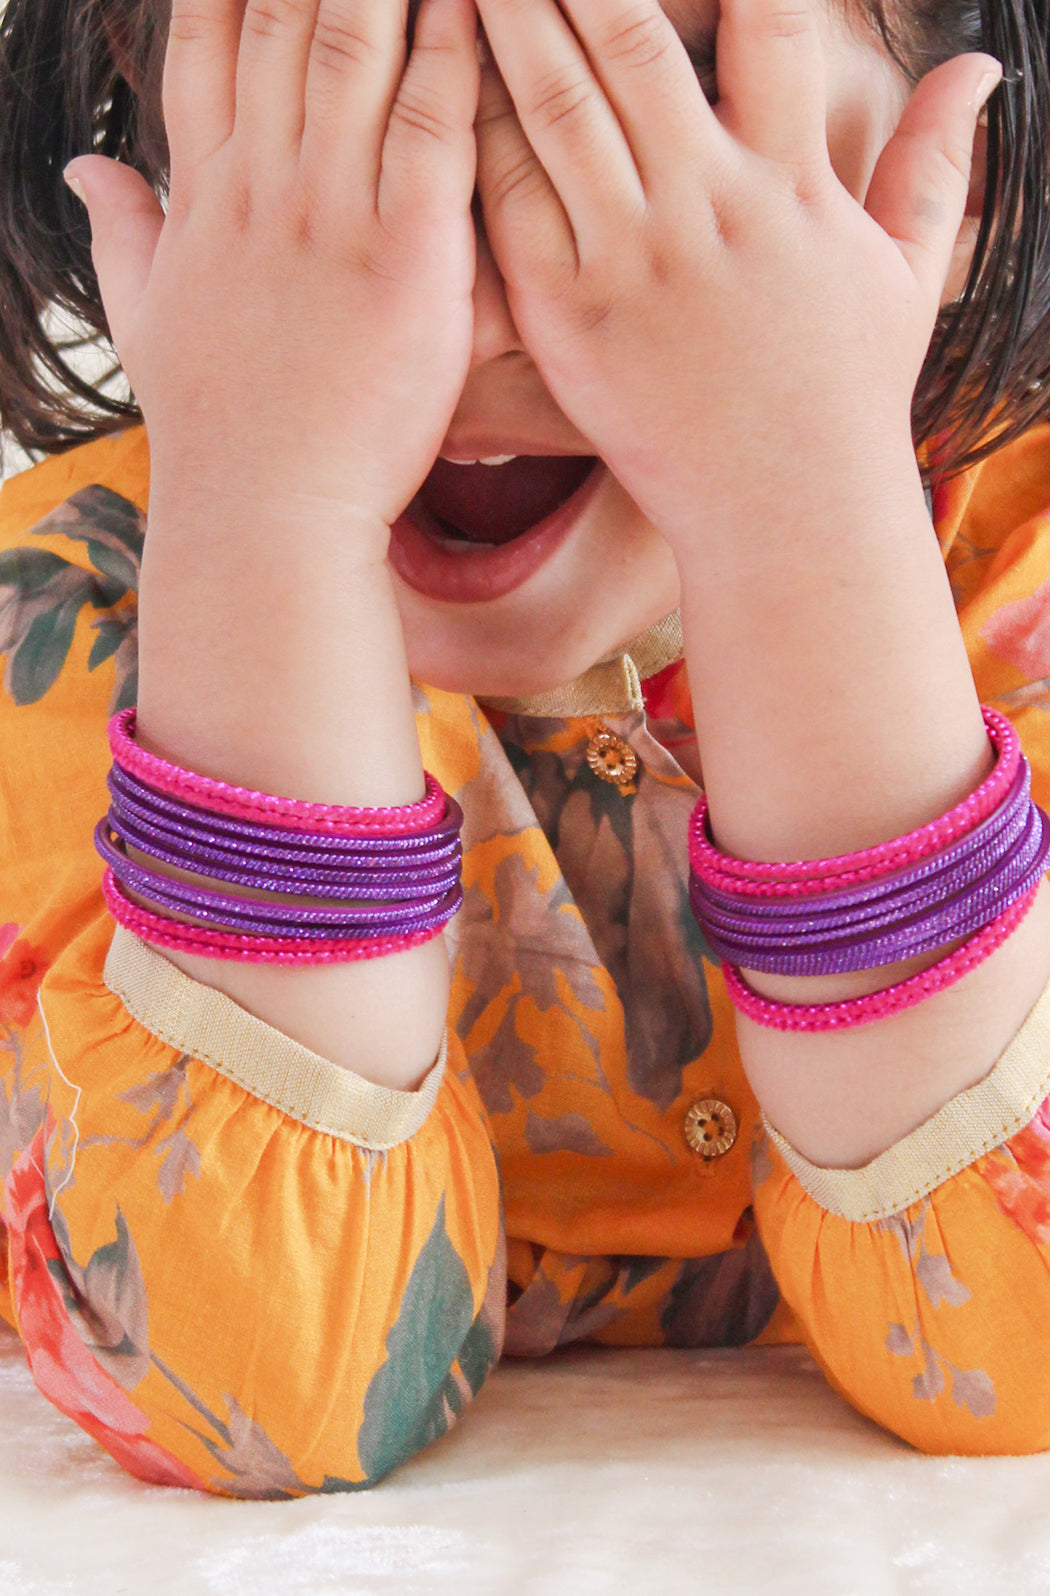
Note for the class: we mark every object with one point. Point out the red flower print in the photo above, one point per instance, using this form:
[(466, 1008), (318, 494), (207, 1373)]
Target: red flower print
[(22, 968), (1020, 633), (666, 695), (62, 1366), (1021, 1178)]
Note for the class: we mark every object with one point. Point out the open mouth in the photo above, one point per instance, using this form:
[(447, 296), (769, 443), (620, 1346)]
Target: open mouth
[(488, 506), (477, 532)]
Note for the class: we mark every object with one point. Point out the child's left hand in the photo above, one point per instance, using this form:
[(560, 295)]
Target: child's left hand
[(704, 299)]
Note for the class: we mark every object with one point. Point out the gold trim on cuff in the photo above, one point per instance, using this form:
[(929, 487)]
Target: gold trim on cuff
[(968, 1126), (211, 1027)]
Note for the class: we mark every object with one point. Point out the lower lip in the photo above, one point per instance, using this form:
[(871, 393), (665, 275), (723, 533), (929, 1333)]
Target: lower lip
[(479, 574)]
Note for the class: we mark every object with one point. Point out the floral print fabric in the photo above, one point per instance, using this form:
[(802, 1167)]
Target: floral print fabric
[(228, 1299)]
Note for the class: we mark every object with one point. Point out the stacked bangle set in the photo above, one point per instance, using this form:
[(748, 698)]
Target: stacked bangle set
[(393, 876), (972, 874)]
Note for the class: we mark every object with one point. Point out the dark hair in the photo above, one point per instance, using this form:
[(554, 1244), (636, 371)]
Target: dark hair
[(63, 94), (84, 75)]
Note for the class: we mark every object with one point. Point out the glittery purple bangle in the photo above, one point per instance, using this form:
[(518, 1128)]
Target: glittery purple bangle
[(265, 918), (378, 880), (159, 808), (853, 950), (960, 869)]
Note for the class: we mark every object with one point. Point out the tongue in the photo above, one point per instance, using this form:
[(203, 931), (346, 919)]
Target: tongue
[(493, 504)]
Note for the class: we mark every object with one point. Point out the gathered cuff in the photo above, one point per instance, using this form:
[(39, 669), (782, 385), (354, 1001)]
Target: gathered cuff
[(968, 1126), (210, 1026)]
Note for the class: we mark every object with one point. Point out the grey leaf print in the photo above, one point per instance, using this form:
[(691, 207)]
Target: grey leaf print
[(973, 1389), (113, 528), (493, 802), (160, 1091), (899, 1341), (21, 1108), (106, 1302), (928, 1385), (934, 1273), (909, 1232), (259, 1468), (534, 935), (565, 1133), (665, 997), (504, 1062), (536, 1320), (722, 1301), (180, 1160)]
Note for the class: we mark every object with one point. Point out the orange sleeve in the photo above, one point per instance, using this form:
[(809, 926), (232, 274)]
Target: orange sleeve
[(922, 1281), (237, 1266)]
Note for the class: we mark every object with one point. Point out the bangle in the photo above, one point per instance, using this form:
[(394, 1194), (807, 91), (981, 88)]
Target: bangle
[(878, 1005), (391, 876)]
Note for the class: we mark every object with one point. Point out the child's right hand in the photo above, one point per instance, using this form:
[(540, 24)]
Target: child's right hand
[(298, 329)]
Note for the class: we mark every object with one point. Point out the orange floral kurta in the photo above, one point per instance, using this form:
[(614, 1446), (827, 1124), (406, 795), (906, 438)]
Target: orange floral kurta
[(244, 1269)]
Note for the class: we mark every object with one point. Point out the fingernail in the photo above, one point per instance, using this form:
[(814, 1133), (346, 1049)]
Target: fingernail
[(985, 88), (73, 182)]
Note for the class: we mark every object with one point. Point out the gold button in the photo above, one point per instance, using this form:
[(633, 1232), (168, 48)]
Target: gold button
[(612, 759), (710, 1127)]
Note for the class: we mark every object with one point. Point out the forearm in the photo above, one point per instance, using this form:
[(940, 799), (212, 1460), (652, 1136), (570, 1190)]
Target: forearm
[(271, 656), (836, 709)]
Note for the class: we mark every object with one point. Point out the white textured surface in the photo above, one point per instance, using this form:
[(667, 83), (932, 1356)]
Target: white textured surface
[(593, 1473)]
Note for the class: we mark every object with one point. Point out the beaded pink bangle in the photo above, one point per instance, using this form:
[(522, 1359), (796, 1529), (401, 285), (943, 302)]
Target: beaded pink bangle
[(246, 949), (399, 820), (755, 878), (892, 999)]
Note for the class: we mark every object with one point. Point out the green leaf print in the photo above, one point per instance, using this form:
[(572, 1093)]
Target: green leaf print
[(109, 635), (35, 664), (478, 1353), (42, 594), (114, 563), (29, 570), (415, 1396)]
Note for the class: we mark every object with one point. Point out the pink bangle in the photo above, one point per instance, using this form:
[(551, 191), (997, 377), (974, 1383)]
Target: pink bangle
[(754, 878), (892, 999), (210, 944), (338, 820)]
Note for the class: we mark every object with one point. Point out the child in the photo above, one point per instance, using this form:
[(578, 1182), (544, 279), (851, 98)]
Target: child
[(267, 1225)]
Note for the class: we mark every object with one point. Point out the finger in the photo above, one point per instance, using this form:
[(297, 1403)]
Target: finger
[(919, 188), (565, 115), (276, 37), (646, 74), (429, 164), (356, 63), (126, 220), (525, 221), (200, 74), (771, 79)]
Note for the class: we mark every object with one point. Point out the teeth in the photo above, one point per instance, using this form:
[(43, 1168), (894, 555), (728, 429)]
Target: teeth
[(493, 460)]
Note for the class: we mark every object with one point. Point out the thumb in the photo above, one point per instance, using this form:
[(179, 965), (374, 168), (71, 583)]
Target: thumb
[(919, 188), (126, 219)]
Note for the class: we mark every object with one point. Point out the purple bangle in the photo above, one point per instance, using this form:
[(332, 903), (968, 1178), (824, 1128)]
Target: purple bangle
[(375, 881), (249, 914), (246, 949), (927, 904), (822, 950), (306, 846)]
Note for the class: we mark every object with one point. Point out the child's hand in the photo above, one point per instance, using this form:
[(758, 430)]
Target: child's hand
[(298, 330), (704, 299)]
